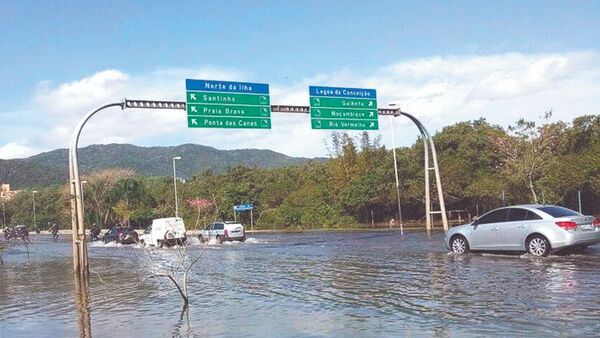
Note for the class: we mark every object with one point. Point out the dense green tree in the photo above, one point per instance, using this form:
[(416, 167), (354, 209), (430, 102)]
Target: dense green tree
[(478, 161)]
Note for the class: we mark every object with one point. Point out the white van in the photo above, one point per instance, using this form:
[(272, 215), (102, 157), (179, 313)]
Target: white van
[(164, 232), (223, 231)]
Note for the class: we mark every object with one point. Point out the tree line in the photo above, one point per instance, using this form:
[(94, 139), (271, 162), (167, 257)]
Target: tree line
[(528, 162)]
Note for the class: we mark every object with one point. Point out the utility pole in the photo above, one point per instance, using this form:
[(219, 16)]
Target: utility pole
[(34, 220), (579, 199), (175, 184)]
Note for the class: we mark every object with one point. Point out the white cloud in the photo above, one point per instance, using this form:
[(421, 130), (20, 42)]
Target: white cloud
[(438, 90), (77, 95), (16, 150)]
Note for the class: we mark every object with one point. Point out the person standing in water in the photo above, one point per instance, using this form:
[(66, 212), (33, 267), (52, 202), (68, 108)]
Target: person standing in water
[(54, 231)]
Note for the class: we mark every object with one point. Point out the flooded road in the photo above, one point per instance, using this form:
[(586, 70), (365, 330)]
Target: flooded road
[(340, 284)]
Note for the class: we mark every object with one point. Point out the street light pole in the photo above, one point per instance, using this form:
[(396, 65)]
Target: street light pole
[(34, 220), (397, 180), (175, 184)]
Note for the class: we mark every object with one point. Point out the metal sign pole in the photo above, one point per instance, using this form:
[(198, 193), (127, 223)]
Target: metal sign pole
[(397, 180)]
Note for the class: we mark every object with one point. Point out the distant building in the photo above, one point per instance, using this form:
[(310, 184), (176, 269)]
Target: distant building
[(5, 192)]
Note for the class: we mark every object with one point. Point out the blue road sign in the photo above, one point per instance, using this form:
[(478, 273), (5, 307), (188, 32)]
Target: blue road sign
[(226, 86), (359, 93), (243, 207)]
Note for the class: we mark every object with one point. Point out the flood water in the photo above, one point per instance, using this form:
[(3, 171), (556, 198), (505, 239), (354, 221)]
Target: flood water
[(338, 284)]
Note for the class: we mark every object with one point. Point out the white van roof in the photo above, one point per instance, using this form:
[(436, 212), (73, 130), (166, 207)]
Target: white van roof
[(167, 219)]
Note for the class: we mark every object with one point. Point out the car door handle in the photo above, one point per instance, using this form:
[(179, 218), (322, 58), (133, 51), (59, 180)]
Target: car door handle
[(521, 227), (494, 229)]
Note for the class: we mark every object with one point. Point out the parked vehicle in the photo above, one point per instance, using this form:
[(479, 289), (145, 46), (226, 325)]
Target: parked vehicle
[(121, 235), (18, 231), (165, 232), (223, 231), (537, 229)]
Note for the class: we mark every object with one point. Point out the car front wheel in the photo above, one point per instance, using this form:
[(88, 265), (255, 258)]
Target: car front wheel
[(459, 245), (538, 246)]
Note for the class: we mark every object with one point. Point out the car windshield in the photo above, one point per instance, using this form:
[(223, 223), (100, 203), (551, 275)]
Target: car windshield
[(555, 211)]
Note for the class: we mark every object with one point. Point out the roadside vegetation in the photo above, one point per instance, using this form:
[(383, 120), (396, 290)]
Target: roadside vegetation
[(531, 161)]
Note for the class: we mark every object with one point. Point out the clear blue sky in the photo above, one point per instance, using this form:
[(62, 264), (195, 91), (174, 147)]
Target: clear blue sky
[(277, 40), (286, 42)]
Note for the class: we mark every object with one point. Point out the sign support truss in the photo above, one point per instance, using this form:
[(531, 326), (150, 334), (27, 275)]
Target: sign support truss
[(80, 255)]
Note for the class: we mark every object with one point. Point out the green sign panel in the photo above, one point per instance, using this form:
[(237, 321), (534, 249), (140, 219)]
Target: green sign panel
[(339, 113), (343, 108), (224, 104), (344, 124), (228, 122)]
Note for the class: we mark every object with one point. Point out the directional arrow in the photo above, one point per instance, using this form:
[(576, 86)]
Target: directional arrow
[(263, 100), (372, 124), (317, 112), (370, 103), (193, 108), (193, 96), (265, 123), (264, 112), (371, 114), (194, 122), (317, 124)]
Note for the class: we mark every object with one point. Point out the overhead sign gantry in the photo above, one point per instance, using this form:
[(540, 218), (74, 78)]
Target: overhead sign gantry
[(226, 104)]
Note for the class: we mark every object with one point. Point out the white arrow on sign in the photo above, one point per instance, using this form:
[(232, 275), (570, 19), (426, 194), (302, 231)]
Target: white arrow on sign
[(193, 97), (193, 109), (194, 122), (370, 103), (371, 114), (372, 124)]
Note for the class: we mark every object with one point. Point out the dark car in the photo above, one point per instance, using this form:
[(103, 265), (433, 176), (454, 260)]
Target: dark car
[(19, 231), (121, 235)]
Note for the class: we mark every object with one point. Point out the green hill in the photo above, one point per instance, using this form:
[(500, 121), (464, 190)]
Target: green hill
[(52, 167)]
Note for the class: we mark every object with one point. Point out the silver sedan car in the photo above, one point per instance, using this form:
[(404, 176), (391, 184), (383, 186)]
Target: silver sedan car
[(537, 229)]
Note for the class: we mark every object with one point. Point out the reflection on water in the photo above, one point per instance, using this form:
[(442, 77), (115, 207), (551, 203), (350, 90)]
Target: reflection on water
[(81, 293), (326, 284)]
